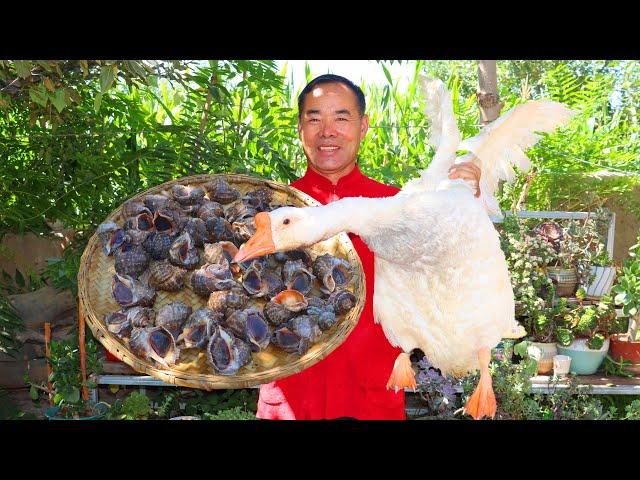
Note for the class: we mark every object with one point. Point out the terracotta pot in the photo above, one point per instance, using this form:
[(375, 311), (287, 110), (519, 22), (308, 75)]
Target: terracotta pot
[(565, 280), (622, 348), (543, 353)]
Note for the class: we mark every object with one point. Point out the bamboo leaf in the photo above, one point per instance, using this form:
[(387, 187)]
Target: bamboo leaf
[(387, 74), (97, 102)]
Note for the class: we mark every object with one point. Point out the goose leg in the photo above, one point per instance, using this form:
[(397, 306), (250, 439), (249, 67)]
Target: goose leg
[(402, 374), (483, 401)]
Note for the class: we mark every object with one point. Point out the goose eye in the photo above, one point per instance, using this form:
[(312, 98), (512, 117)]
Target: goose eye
[(286, 221)]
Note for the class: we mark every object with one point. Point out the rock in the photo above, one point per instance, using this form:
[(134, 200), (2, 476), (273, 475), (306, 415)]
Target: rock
[(28, 351), (45, 305), (29, 252), (11, 373)]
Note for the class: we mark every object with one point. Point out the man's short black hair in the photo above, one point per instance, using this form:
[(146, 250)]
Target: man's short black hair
[(331, 78)]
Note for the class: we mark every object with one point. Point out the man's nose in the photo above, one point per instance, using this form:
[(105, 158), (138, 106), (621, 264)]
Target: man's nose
[(328, 129)]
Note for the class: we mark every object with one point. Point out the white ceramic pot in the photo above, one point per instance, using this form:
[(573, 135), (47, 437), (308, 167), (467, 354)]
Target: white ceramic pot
[(602, 281)]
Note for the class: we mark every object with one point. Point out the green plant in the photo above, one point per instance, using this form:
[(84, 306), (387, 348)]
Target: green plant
[(220, 405), (572, 402), (527, 255), (10, 323), (136, 406), (627, 290), (613, 368), (19, 282), (576, 243), (595, 323), (632, 411), (169, 406), (511, 386), (66, 377), (235, 413), (212, 403), (63, 271)]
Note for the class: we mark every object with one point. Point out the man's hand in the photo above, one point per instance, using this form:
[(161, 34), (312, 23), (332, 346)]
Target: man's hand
[(466, 171)]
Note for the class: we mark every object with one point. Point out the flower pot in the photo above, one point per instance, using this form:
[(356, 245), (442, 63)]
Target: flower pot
[(543, 353), (52, 413), (565, 280), (561, 366), (623, 349), (602, 281), (584, 361)]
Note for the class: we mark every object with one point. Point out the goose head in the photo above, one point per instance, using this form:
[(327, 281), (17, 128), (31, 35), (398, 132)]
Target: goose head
[(283, 229)]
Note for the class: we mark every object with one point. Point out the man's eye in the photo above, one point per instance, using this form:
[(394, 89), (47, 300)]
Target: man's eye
[(286, 221), (343, 119), (313, 120)]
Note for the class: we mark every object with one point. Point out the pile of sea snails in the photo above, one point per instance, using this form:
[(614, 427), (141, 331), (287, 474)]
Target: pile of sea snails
[(187, 238)]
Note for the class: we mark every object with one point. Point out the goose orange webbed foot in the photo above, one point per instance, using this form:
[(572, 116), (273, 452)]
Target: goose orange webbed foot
[(482, 402), (402, 374)]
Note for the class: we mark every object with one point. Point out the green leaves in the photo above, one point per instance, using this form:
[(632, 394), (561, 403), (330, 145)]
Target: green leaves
[(564, 336), (520, 348), (107, 76), (97, 101), (58, 99), (596, 342), (10, 323), (33, 393), (23, 68), (622, 298), (39, 95), (136, 406)]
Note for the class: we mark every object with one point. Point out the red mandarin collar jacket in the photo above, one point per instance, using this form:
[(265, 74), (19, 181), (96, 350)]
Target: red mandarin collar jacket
[(351, 381)]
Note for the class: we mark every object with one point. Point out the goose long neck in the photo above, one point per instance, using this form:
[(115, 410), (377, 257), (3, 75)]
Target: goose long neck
[(360, 215)]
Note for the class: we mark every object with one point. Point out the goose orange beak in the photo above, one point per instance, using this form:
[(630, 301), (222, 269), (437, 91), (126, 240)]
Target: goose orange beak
[(261, 243)]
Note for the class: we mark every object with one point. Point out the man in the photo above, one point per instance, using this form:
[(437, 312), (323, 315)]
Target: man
[(351, 381)]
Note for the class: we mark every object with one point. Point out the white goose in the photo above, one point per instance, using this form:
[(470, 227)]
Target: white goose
[(442, 283)]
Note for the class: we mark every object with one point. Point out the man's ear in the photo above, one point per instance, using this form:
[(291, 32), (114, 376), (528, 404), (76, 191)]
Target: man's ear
[(364, 126)]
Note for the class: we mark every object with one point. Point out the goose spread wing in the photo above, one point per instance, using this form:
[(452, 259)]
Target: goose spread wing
[(500, 145)]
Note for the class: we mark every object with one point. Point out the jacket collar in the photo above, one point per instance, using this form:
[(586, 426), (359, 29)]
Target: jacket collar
[(354, 177)]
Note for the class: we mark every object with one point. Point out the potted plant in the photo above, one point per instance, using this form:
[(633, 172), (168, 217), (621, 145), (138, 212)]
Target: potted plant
[(627, 295), (583, 333), (541, 326), (527, 255), (561, 270), (603, 275), (575, 245)]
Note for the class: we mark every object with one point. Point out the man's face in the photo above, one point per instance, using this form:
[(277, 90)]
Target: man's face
[(330, 128)]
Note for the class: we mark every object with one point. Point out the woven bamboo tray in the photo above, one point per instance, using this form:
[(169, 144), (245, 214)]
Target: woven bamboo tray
[(192, 370)]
